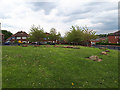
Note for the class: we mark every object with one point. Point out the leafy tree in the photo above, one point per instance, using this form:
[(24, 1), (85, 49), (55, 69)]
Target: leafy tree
[(80, 35), (88, 35), (58, 36), (6, 33), (36, 34), (53, 34), (75, 35)]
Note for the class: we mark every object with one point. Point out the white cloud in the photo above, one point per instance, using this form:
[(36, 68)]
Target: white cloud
[(18, 15)]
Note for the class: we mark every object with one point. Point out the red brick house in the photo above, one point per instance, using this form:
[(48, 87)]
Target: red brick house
[(20, 36), (114, 37), (2, 37)]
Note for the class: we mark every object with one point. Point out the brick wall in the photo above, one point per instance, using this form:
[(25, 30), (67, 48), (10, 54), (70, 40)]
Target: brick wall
[(113, 39)]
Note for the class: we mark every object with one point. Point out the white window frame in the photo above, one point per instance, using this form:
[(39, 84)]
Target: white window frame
[(24, 37), (18, 38)]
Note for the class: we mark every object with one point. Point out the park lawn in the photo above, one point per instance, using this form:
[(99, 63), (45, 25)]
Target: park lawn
[(55, 67)]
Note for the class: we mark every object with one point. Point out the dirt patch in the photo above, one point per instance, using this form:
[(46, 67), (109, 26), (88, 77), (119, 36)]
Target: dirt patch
[(104, 53), (24, 45), (36, 45), (95, 58)]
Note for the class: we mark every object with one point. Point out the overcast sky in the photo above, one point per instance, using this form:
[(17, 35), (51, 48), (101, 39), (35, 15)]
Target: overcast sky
[(17, 15)]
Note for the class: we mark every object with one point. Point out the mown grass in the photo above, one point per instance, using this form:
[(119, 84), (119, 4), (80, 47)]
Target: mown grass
[(53, 67)]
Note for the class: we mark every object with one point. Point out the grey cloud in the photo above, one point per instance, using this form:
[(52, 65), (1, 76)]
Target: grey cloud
[(47, 6), (92, 10), (89, 10), (107, 25), (102, 5), (92, 7), (110, 22)]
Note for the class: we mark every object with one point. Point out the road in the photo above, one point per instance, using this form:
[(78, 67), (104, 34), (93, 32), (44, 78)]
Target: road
[(108, 46)]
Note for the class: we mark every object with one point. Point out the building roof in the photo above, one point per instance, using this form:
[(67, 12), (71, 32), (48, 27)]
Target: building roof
[(20, 34), (115, 33)]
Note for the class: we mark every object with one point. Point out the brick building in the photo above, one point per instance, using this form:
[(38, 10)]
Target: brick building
[(20, 36), (114, 37)]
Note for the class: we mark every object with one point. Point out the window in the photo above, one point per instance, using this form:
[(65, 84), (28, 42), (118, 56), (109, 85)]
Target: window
[(24, 37), (45, 39), (116, 37), (18, 37), (13, 37)]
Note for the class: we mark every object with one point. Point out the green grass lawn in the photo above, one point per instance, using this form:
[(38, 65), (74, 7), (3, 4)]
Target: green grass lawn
[(54, 67)]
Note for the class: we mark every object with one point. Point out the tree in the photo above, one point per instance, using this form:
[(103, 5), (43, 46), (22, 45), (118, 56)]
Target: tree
[(75, 35), (36, 34), (53, 34), (58, 36), (88, 35), (79, 35), (6, 33)]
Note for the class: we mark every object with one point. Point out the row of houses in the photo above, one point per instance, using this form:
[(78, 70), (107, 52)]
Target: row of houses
[(22, 36), (112, 38)]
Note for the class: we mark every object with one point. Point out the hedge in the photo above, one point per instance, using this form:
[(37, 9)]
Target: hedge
[(99, 43)]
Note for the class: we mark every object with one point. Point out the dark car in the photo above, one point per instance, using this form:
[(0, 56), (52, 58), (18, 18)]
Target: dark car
[(7, 43)]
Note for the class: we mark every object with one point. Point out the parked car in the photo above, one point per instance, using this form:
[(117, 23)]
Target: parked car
[(7, 43)]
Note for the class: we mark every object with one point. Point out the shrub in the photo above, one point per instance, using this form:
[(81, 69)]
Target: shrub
[(100, 43)]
